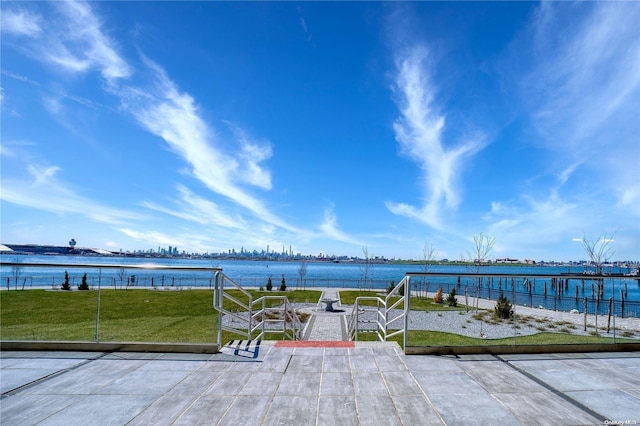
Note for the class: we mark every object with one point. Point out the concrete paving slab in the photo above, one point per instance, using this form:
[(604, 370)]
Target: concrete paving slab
[(568, 380), (206, 410), (246, 410), (361, 385), (432, 363), (507, 381), (298, 383), (472, 409), (336, 363), (416, 410), (614, 404), (305, 363), (229, 384), (262, 383), (336, 384), (164, 410), (32, 409), (144, 382), (100, 410), (369, 383), (337, 410), (195, 383), (361, 363), (77, 382), (390, 363), (545, 408), (447, 383), (376, 410), (293, 410), (400, 383)]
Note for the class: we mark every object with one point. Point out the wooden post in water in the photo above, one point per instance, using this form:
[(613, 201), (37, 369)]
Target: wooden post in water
[(621, 304), (609, 315), (585, 314), (466, 299), (576, 293)]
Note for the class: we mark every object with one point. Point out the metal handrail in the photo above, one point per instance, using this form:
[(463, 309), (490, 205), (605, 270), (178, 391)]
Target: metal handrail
[(256, 313), (382, 316)]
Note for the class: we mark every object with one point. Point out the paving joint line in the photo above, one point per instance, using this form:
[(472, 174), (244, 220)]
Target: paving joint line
[(49, 377), (555, 391)]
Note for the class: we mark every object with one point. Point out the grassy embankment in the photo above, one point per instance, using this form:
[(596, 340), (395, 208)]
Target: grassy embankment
[(125, 315)]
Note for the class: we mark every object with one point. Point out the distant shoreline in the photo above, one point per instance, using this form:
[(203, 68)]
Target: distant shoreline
[(86, 252)]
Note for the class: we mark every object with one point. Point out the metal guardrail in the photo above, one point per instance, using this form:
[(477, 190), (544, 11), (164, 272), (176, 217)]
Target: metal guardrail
[(256, 317), (382, 312)]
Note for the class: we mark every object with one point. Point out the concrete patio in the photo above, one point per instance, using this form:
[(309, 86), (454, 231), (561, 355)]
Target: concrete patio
[(277, 383)]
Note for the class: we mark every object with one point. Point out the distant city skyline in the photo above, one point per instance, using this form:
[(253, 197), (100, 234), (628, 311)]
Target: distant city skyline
[(327, 127)]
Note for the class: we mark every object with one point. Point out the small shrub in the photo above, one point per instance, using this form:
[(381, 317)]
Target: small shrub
[(438, 297), (392, 285), (503, 309), (627, 333), (451, 298), (261, 288), (283, 284), (269, 284), (84, 285), (479, 315), (65, 284)]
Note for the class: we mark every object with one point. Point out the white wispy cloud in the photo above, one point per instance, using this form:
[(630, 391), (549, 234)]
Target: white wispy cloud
[(419, 131), (43, 190), (584, 92), (72, 40), (20, 22), (77, 43), (194, 208), (331, 229), (82, 44), (173, 115)]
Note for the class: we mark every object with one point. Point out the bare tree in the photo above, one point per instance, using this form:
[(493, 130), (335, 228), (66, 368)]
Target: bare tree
[(16, 271), (428, 256), (366, 267), (302, 272), (599, 250), (482, 246), (122, 274)]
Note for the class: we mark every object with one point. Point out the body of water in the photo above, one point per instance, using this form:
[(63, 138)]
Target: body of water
[(567, 295)]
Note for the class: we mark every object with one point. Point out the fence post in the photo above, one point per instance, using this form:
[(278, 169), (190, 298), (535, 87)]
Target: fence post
[(609, 315)]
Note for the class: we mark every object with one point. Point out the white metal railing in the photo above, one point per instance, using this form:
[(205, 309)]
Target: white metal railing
[(361, 316), (255, 318)]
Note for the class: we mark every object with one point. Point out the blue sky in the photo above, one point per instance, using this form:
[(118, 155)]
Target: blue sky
[(327, 127)]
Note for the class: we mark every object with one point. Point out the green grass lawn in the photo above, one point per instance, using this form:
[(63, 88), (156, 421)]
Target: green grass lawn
[(439, 338), (125, 315), (348, 297)]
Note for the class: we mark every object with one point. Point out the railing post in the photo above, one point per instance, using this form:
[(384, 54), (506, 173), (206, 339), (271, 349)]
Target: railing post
[(217, 302), (407, 307)]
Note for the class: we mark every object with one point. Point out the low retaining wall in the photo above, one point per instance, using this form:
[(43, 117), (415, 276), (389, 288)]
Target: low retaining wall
[(520, 349), (85, 346)]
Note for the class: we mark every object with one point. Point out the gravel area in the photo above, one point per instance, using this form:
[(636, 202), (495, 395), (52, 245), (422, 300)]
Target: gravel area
[(468, 323)]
